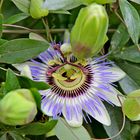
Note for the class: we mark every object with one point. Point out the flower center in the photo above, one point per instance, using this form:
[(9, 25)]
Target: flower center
[(69, 77)]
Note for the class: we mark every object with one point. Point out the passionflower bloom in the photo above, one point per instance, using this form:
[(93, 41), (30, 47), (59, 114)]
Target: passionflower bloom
[(78, 87)]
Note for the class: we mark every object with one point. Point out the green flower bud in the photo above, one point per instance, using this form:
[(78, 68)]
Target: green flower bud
[(18, 107), (66, 48), (89, 32), (37, 10)]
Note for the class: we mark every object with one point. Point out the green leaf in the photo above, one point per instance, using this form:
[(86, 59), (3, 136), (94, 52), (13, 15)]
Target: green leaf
[(136, 1), (36, 128), (131, 18), (128, 84), (1, 22), (37, 96), (22, 5), (120, 37), (62, 4), (64, 132), (11, 81), (133, 70), (28, 83), (131, 54), (3, 137), (16, 18), (116, 124), (20, 50), (2, 41), (131, 105), (16, 136)]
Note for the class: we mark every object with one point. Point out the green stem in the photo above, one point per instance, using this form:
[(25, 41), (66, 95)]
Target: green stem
[(45, 23), (33, 30)]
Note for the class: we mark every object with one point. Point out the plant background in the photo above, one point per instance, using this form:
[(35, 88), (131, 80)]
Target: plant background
[(123, 37)]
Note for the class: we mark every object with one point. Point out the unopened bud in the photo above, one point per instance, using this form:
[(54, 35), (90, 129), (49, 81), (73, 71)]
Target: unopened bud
[(18, 107), (89, 32), (66, 48), (37, 10)]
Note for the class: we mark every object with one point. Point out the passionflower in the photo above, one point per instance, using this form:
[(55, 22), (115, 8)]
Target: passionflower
[(78, 87)]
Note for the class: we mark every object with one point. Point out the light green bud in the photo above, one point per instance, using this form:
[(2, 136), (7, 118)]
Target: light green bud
[(89, 32), (66, 48), (18, 107), (37, 10)]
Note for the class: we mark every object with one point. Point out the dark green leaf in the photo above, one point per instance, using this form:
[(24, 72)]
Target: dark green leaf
[(131, 54), (3, 137), (116, 124), (132, 70), (1, 22), (11, 81), (16, 18), (22, 5), (64, 132), (37, 96), (37, 128), (2, 41), (28, 83), (120, 37), (131, 18), (16, 136), (128, 84), (20, 50)]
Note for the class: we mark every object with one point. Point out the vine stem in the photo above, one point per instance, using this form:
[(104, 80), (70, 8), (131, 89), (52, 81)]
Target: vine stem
[(45, 22), (28, 30), (33, 30)]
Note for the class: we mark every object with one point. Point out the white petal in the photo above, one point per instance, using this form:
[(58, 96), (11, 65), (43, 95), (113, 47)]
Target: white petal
[(103, 117), (111, 94), (117, 99), (76, 118), (47, 108), (117, 73), (74, 122), (46, 104)]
